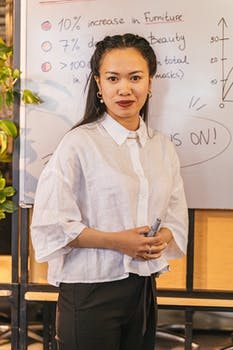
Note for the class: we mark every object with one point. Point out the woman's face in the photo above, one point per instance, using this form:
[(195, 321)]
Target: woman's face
[(124, 82)]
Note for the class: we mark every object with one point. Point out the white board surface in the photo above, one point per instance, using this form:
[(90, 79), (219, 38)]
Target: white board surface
[(192, 93)]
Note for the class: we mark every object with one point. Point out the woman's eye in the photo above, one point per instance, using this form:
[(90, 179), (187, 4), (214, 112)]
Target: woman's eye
[(112, 78), (135, 77)]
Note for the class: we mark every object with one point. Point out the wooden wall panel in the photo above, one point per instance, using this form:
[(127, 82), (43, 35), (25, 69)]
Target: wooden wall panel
[(213, 267)]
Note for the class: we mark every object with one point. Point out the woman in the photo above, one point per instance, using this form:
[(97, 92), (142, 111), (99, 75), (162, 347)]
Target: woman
[(107, 182)]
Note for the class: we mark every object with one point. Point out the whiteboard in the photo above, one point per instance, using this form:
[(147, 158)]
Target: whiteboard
[(192, 93)]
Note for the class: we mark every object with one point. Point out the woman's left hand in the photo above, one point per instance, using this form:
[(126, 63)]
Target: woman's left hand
[(164, 236), (154, 251)]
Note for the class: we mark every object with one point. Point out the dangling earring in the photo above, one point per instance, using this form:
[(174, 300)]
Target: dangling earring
[(149, 94), (99, 95)]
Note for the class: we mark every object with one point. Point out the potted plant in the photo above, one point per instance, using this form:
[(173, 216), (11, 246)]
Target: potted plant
[(8, 130)]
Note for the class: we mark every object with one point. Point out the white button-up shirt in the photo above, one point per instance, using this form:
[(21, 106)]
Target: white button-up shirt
[(108, 178)]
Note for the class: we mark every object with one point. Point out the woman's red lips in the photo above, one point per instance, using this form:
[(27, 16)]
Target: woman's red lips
[(125, 103)]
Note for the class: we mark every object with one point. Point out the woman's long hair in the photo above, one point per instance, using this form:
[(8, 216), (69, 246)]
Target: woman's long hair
[(94, 109)]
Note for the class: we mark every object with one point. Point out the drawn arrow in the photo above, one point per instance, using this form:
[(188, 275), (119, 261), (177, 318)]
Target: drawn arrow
[(223, 25)]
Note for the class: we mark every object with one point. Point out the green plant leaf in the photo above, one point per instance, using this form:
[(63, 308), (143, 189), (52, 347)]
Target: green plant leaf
[(1, 99), (5, 157), (2, 215), (5, 51), (29, 98), (2, 62), (2, 197), (16, 73), (9, 98), (9, 191), (3, 141), (2, 183), (5, 72), (8, 206), (9, 127)]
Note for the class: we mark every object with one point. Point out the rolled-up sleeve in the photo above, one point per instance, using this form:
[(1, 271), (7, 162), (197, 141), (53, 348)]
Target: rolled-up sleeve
[(56, 219)]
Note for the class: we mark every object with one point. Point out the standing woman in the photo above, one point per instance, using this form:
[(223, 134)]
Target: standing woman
[(107, 182)]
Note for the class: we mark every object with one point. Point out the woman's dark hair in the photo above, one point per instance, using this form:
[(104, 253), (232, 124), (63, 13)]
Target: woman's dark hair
[(94, 109)]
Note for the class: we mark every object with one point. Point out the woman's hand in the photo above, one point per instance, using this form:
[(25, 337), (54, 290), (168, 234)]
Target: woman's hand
[(134, 243)]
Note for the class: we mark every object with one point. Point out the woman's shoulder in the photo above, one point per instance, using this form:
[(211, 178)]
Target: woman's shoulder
[(79, 133), (163, 140), (72, 142), (159, 136)]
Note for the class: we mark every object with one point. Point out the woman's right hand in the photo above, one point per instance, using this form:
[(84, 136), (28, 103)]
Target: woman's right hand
[(135, 243)]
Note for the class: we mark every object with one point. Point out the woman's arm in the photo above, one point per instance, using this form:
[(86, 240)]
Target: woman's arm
[(132, 242)]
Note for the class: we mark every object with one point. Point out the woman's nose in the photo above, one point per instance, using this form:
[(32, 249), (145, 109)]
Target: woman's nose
[(124, 88)]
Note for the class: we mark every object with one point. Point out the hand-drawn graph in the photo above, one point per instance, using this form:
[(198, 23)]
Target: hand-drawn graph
[(227, 75)]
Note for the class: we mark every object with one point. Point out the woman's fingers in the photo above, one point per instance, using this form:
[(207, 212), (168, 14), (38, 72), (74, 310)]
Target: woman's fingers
[(152, 251)]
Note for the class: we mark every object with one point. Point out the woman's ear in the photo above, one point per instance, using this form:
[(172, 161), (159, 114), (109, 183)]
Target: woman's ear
[(150, 82), (97, 79)]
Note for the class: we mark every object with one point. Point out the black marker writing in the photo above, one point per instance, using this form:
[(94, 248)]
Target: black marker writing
[(164, 18), (178, 39)]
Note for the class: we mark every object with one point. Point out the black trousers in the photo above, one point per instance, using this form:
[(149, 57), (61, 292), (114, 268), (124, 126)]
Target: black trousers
[(118, 315)]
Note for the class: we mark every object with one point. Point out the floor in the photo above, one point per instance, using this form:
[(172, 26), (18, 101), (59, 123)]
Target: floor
[(212, 332), (207, 340)]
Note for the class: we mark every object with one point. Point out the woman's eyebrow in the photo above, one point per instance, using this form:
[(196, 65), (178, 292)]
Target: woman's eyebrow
[(110, 72), (130, 73), (137, 71)]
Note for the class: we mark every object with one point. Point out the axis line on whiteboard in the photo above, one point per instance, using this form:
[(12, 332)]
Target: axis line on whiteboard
[(227, 79)]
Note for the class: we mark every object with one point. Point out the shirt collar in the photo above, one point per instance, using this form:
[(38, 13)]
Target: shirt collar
[(119, 133)]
